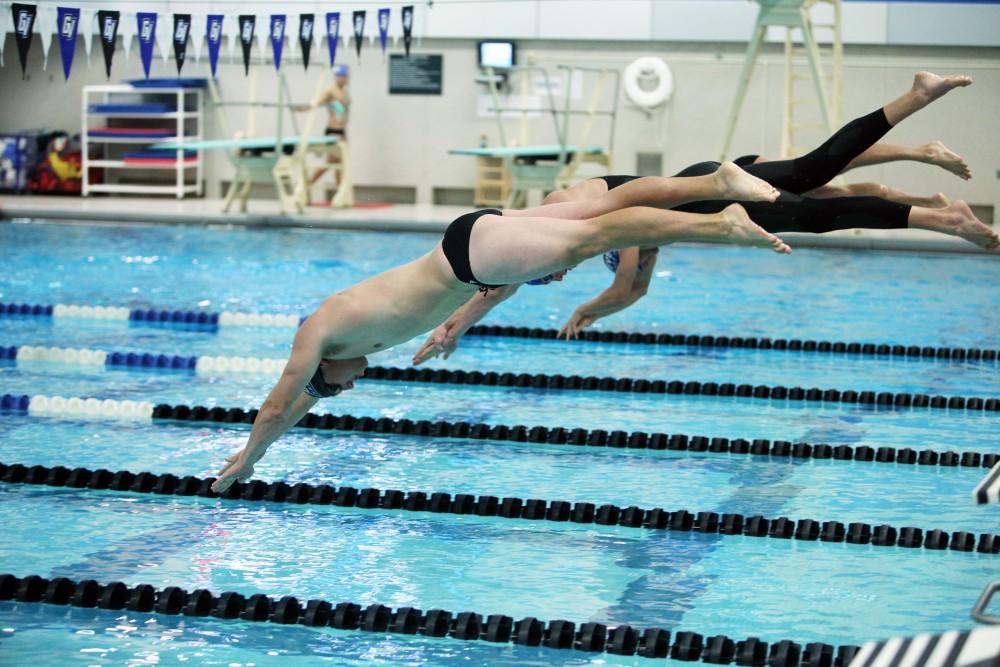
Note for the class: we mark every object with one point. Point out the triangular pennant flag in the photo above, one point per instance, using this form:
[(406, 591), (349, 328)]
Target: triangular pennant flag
[(407, 28), (332, 34), (45, 26), (88, 21), (68, 23), (306, 22), (247, 23), (24, 28), (383, 28), (107, 22), (213, 35), (182, 29), (359, 30), (277, 37), (145, 23), (127, 29)]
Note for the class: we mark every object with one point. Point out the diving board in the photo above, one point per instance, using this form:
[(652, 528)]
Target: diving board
[(552, 151), (250, 143)]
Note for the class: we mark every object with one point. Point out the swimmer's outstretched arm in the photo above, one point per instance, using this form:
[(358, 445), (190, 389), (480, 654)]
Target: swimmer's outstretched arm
[(282, 409), (444, 340), (630, 285)]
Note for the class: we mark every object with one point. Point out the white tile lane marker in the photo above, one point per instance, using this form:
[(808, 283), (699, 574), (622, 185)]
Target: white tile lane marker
[(988, 490), (59, 406)]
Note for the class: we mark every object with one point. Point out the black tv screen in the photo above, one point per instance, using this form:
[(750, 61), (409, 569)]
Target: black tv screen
[(499, 55)]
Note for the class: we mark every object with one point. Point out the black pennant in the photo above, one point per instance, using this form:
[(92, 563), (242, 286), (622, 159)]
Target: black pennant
[(24, 28), (108, 23), (247, 22), (359, 30), (182, 30), (407, 28), (306, 24)]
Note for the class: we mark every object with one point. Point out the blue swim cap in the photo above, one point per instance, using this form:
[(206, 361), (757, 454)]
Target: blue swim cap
[(611, 259), (340, 70), (542, 281)]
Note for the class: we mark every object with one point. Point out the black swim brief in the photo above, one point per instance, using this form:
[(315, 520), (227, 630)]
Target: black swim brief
[(456, 247)]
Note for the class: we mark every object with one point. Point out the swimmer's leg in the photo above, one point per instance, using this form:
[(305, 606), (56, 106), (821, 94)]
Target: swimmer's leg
[(933, 153), (938, 200), (727, 182), (506, 250), (955, 219), (592, 188), (819, 166)]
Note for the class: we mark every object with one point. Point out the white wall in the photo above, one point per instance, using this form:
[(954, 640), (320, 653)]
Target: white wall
[(404, 140)]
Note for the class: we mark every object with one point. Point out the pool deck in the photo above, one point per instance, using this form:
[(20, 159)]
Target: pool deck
[(264, 213)]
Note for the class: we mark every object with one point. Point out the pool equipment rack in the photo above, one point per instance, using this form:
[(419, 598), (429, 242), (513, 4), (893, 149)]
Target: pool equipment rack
[(508, 508), (588, 637), (184, 107)]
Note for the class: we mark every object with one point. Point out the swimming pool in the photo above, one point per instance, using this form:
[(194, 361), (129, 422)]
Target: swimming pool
[(681, 580)]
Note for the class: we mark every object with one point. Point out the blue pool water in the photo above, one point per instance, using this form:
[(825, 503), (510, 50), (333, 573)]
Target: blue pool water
[(711, 584)]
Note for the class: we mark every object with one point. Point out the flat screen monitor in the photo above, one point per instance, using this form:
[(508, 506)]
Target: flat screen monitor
[(496, 54)]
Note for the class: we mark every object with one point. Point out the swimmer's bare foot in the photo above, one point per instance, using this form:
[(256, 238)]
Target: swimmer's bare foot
[(938, 200), (744, 231), (938, 154), (956, 219), (930, 86), (736, 184)]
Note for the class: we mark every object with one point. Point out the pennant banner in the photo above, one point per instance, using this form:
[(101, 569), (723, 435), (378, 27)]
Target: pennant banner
[(24, 27), (145, 23), (182, 30), (213, 35), (359, 30), (247, 22), (306, 37), (277, 37), (332, 34), (383, 28), (68, 21), (407, 28), (107, 22)]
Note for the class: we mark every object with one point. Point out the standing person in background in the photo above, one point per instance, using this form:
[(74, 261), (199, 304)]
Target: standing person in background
[(338, 103)]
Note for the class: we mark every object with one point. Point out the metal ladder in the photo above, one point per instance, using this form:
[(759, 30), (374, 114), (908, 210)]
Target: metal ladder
[(795, 17), (798, 132)]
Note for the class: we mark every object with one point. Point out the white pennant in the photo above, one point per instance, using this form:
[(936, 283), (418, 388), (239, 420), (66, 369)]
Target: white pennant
[(127, 29), (165, 34), (196, 38), (231, 30), (5, 26), (88, 22), (46, 25)]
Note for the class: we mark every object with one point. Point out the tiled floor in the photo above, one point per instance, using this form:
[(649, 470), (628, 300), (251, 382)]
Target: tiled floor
[(397, 217)]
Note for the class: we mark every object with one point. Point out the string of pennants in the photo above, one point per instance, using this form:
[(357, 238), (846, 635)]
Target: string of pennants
[(189, 30)]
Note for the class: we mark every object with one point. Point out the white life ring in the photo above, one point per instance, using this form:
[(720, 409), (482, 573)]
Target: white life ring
[(645, 67)]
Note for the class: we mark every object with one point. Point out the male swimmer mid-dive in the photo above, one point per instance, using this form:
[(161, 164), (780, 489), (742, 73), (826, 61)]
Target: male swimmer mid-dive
[(479, 251)]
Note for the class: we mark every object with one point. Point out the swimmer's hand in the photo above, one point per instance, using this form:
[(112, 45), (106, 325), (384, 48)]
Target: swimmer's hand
[(577, 322), (442, 342), (237, 468)]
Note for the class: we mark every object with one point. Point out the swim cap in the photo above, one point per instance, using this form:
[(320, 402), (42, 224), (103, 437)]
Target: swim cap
[(542, 281), (340, 70), (611, 259)]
